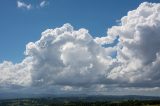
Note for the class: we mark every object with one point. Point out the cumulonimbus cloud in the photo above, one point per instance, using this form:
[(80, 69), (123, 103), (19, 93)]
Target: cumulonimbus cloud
[(68, 58)]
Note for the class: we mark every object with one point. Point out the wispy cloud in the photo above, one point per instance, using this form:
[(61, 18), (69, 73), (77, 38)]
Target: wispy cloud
[(21, 4), (43, 3)]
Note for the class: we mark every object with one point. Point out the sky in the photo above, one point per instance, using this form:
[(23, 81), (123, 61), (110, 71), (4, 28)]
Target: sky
[(106, 47), (20, 25)]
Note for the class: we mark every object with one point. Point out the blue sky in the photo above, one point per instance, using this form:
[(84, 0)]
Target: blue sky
[(19, 26)]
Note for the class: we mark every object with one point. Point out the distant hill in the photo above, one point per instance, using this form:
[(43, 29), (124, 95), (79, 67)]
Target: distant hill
[(81, 97)]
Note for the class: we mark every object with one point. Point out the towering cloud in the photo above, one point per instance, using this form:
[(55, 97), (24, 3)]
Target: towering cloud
[(138, 49), (64, 56), (65, 59)]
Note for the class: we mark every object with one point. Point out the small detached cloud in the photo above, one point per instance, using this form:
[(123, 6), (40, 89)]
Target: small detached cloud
[(21, 4), (43, 4), (28, 6)]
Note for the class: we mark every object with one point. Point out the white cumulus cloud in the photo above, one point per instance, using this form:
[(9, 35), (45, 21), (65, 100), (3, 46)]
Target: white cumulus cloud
[(138, 49)]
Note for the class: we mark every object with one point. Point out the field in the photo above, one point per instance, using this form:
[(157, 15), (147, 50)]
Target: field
[(76, 102)]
